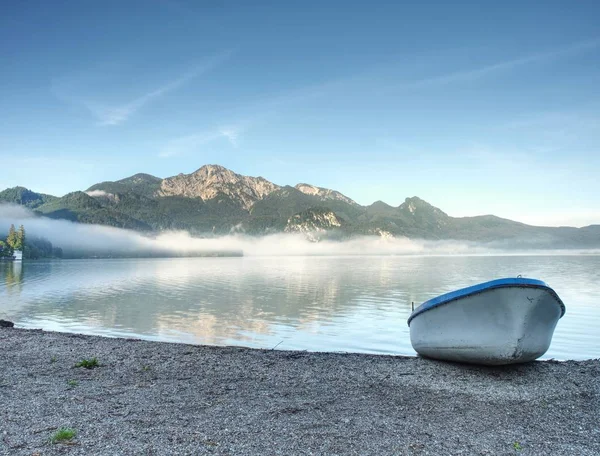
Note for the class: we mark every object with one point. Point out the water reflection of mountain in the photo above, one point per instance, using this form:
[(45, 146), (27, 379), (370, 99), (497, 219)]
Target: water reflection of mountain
[(211, 298), (227, 300)]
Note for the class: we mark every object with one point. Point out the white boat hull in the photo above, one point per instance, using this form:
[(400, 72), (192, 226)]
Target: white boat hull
[(495, 326)]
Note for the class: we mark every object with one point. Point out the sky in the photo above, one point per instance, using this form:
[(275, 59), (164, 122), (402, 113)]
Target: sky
[(476, 107)]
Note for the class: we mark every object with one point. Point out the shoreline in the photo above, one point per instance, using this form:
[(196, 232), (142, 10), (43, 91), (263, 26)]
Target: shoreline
[(150, 397)]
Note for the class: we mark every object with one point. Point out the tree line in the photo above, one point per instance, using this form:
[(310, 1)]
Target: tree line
[(32, 247), (14, 241)]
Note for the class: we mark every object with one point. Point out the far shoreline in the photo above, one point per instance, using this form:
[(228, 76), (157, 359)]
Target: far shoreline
[(534, 253)]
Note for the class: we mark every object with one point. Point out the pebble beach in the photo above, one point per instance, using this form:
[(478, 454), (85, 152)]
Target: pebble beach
[(154, 398)]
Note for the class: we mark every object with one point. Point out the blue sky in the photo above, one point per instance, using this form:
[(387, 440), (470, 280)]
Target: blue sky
[(476, 107)]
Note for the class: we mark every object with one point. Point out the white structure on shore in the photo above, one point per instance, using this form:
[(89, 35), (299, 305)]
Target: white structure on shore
[(18, 255)]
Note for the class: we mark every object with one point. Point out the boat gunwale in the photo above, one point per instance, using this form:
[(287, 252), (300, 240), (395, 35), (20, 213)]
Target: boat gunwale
[(452, 296)]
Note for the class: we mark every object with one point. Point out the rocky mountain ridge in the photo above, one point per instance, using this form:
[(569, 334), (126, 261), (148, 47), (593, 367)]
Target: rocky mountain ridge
[(324, 194), (210, 180), (314, 223), (214, 200)]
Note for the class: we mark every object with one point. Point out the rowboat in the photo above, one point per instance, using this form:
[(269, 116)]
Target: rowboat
[(504, 321)]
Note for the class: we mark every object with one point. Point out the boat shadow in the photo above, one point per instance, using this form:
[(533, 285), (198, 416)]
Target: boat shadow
[(500, 372)]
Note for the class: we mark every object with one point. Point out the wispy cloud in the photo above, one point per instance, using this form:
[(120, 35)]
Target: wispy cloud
[(118, 114), (190, 143), (260, 110), (114, 115), (232, 134), (377, 76), (477, 73), (108, 115)]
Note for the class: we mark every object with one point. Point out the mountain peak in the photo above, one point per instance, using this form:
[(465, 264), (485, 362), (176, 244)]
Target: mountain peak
[(210, 180), (212, 169), (380, 204), (139, 178), (379, 208), (24, 196), (141, 184), (415, 204), (216, 173), (416, 200)]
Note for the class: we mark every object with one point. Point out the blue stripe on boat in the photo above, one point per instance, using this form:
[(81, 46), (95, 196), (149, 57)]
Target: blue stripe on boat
[(498, 283)]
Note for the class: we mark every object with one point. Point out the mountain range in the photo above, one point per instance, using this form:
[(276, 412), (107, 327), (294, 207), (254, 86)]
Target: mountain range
[(214, 201)]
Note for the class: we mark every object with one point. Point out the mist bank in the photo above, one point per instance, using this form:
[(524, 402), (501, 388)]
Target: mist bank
[(77, 240)]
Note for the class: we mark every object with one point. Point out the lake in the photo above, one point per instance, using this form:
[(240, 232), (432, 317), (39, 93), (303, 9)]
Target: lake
[(347, 304)]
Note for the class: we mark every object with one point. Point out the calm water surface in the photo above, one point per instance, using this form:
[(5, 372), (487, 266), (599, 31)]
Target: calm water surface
[(353, 304)]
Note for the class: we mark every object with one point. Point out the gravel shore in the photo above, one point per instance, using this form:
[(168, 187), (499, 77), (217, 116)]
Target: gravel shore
[(159, 398)]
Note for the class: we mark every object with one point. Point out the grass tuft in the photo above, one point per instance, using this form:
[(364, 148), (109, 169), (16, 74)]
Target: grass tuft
[(517, 446), (63, 435), (88, 363), (72, 383)]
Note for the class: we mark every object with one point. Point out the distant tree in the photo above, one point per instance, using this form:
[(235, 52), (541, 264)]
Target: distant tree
[(5, 250), (11, 240), (20, 244)]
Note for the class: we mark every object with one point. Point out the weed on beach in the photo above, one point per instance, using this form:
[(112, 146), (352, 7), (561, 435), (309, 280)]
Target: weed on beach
[(72, 383), (88, 363), (517, 446), (63, 435)]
